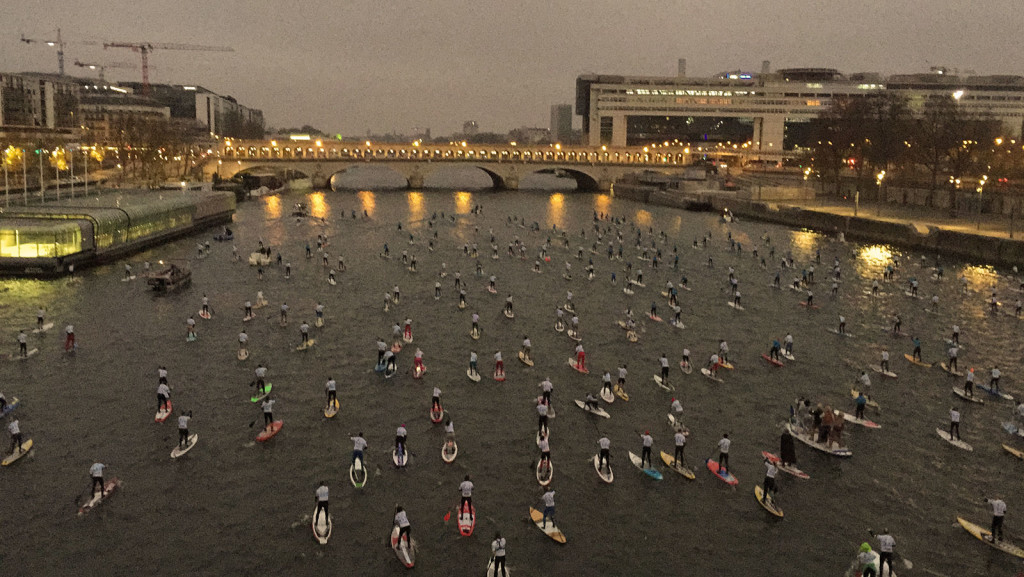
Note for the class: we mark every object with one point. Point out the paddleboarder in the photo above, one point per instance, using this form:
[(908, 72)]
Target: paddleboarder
[(953, 352), (993, 383), (358, 446), (549, 507), (304, 332), (546, 387), (664, 369), (998, 512), (322, 494), (969, 383), (466, 490), (787, 448), (647, 441), (769, 480), (400, 435), (723, 452), (14, 429), (680, 440), (605, 444), (886, 545), (499, 365), (498, 550), (472, 363), (96, 472), (545, 451), (676, 407), (402, 522), (542, 417), (183, 420), (268, 411), (332, 391), (435, 400), (163, 393), (527, 347)]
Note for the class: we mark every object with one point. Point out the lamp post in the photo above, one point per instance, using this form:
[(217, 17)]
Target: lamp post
[(981, 186), (878, 180), (24, 174), (7, 184)]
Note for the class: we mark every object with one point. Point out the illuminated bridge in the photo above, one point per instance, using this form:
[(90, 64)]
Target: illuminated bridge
[(593, 168)]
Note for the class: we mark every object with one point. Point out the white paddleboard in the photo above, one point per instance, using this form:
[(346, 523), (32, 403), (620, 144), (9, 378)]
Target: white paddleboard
[(606, 475), (322, 526), (44, 328), (189, 443)]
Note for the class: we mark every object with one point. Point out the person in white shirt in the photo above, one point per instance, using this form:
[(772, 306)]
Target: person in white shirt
[(527, 347), (14, 428), (69, 342), (788, 344), (606, 382), (998, 512), (243, 339), (322, 494), (647, 441), (268, 411), (284, 313), (723, 452), (769, 480), (677, 407), (261, 374), (546, 387), (545, 451), (723, 351), (954, 423), (886, 545), (206, 305), (622, 375), (358, 446), (664, 369), (472, 363), (885, 361), (542, 417), (161, 374), (713, 365), (40, 314), (23, 343), (680, 439), (304, 331), (605, 444), (498, 550), (332, 391), (994, 381), (499, 365), (96, 472), (183, 420), (435, 400), (466, 490), (190, 330), (549, 506), (400, 435), (163, 393), (402, 522), (953, 351)]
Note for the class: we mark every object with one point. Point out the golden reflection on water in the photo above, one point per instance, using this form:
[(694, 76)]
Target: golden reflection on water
[(272, 206), (463, 202), (556, 209), (875, 256), (368, 200), (318, 207), (980, 277), (643, 218), (602, 203), (416, 209), (804, 243)]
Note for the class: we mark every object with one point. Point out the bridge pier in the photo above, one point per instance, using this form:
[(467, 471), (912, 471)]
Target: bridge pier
[(415, 181)]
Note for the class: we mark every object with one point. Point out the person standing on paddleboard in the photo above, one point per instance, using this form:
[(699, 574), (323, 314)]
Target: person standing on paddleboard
[(773, 352), (954, 423), (268, 411), (865, 562), (993, 383), (647, 441), (304, 332), (606, 383), (69, 341), (466, 489), (358, 446), (664, 369), (321, 501), (190, 327), (680, 439), (163, 393), (435, 399), (498, 550), (23, 343), (400, 435), (381, 347), (886, 545), (884, 363), (206, 305), (40, 314), (549, 507), (605, 444), (969, 383), (499, 365), (581, 357), (542, 417), (332, 391), (769, 480), (183, 420), (723, 452), (261, 374), (953, 351), (472, 363), (545, 451), (96, 472), (14, 428), (284, 313), (243, 340), (402, 522), (591, 403), (787, 448), (527, 347), (546, 387)]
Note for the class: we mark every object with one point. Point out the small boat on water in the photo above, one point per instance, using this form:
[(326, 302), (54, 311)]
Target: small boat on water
[(300, 209), (170, 278)]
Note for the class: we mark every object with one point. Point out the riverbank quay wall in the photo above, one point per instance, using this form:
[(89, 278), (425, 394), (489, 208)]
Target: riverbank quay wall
[(977, 248), (46, 240)]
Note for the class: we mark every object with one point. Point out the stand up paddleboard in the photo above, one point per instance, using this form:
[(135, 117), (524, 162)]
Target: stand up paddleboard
[(257, 397), (985, 536), (331, 281), (667, 387), (43, 329), (22, 450), (526, 361), (867, 423), (500, 377), (357, 474), (400, 460), (243, 354), (390, 370), (436, 415), (509, 314), (854, 393), (545, 474), (638, 463), (205, 315), (958, 443), (963, 395), (945, 369), (677, 466), (449, 451), (306, 346), (775, 362), (475, 377), (417, 372), (843, 334), (467, 521), (686, 367), (790, 468), (322, 526), (162, 414), (549, 528), (189, 443), (598, 411), (994, 392), (607, 395), (767, 502), (577, 368), (620, 392), (95, 499), (707, 373), (606, 475), (269, 432), (474, 334), (911, 359), (878, 369), (319, 322), (1015, 452), (406, 552), (332, 409), (716, 470), (736, 306)]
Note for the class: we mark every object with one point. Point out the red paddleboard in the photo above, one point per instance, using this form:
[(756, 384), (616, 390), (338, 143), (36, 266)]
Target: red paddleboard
[(716, 469), (435, 416), (268, 432), (804, 303), (771, 360), (577, 368), (467, 522), (161, 416), (417, 373), (791, 469), (499, 376)]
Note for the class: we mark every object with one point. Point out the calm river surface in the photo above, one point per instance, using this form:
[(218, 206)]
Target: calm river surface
[(234, 507)]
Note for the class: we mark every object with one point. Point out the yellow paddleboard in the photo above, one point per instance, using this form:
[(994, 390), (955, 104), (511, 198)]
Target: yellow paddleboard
[(679, 468), (1014, 452), (25, 448), (620, 393), (982, 534), (769, 505), (550, 530)]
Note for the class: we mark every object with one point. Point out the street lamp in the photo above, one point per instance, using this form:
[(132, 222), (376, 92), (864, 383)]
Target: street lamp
[(878, 180), (981, 186)]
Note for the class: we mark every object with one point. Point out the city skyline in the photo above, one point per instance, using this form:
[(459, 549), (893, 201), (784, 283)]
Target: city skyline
[(354, 68)]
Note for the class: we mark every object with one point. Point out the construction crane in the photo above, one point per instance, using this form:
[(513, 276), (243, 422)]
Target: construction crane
[(144, 48), (103, 67), (59, 43)]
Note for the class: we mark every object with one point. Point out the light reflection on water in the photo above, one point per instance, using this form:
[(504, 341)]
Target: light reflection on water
[(272, 206), (368, 201), (556, 209), (318, 207), (416, 209), (463, 202)]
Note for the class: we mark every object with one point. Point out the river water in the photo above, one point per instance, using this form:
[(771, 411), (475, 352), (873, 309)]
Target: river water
[(232, 506)]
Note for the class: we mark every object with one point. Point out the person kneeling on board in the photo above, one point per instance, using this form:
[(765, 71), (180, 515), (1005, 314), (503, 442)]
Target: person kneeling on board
[(591, 402)]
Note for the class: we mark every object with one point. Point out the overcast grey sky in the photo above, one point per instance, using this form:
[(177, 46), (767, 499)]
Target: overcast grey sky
[(353, 65)]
